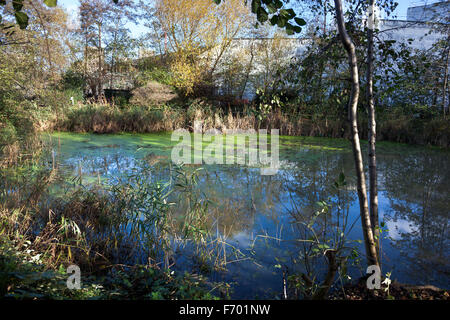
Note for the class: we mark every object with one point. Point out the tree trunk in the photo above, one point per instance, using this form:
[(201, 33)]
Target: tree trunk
[(247, 73), (444, 89), (85, 55), (369, 241), (113, 60), (373, 183), (100, 64), (322, 292)]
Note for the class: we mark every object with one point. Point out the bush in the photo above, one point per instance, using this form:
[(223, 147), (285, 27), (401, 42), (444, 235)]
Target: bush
[(8, 133), (110, 119), (158, 74), (73, 80), (153, 93)]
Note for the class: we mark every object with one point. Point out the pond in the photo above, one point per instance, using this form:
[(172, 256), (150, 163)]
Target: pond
[(260, 214)]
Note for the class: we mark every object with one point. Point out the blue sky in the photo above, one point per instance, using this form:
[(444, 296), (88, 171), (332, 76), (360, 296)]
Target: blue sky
[(72, 7)]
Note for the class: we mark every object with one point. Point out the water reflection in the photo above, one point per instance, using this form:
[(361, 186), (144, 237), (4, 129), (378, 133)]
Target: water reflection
[(414, 202), (417, 188)]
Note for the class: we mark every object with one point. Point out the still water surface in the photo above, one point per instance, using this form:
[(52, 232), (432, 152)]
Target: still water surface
[(260, 214)]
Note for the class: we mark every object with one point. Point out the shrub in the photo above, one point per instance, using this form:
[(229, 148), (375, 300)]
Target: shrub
[(8, 133), (153, 93), (158, 74)]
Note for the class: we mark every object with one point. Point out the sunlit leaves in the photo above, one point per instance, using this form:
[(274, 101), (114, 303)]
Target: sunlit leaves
[(199, 32), (287, 14), (272, 8), (50, 3)]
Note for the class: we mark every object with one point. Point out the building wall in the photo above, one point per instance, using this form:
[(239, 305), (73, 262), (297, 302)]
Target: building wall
[(401, 31), (417, 27), (437, 12)]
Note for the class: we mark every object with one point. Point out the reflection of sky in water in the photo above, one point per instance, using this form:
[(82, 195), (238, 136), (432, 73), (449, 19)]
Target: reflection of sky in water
[(396, 228), (249, 204)]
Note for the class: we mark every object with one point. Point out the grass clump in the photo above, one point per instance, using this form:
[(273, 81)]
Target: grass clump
[(120, 234)]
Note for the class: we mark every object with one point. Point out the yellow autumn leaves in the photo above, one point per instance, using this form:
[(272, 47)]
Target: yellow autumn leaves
[(198, 32)]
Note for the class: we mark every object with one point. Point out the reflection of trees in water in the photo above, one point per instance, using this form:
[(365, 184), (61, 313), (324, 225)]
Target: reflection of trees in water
[(313, 178), (239, 194), (242, 195), (416, 183), (417, 186), (313, 182)]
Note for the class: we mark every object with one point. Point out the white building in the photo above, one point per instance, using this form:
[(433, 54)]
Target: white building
[(419, 22), (436, 12), (421, 26)]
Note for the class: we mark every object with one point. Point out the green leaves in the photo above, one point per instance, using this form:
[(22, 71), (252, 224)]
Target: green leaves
[(256, 4), (341, 181), (262, 15), (291, 29), (279, 17), (272, 8), (274, 20), (300, 21), (50, 3), (287, 14), (21, 19), (17, 5)]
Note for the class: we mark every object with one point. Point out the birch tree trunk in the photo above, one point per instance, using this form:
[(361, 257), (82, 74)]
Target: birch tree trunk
[(369, 241), (444, 89), (373, 179), (100, 63)]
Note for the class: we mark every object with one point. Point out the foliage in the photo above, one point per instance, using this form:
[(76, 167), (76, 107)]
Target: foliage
[(267, 104), (198, 33), (93, 228), (185, 74), (21, 17), (324, 233), (23, 276), (274, 12), (157, 74)]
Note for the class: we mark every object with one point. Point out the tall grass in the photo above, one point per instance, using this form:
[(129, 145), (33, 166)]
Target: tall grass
[(127, 222), (104, 118)]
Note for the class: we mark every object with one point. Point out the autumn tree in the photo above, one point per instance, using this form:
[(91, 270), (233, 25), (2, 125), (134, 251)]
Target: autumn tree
[(103, 26), (36, 56), (119, 44), (92, 16), (198, 33)]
